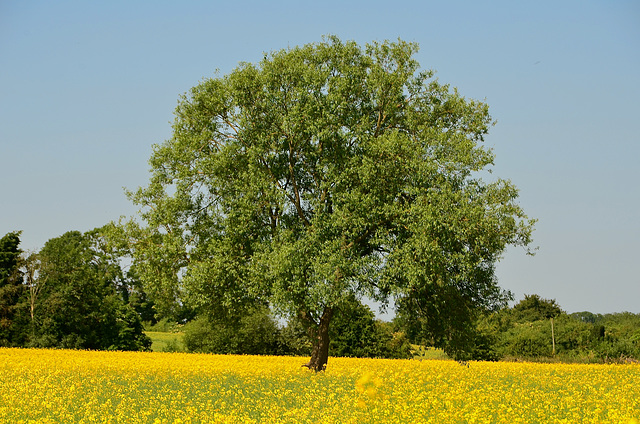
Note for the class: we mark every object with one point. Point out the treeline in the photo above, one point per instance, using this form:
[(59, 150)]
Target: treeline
[(76, 292), (73, 294), (537, 329)]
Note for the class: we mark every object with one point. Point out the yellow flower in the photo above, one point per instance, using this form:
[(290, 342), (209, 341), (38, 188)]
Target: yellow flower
[(159, 388)]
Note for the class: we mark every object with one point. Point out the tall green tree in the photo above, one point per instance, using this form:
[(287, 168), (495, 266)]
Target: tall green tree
[(324, 170), (11, 289), (80, 300)]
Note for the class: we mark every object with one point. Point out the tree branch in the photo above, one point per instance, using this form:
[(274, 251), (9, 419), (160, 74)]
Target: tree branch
[(296, 191)]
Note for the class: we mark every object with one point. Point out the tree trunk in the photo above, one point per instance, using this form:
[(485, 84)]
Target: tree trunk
[(320, 337)]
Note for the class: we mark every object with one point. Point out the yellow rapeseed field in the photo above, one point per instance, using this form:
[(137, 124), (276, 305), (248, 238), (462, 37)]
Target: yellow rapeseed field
[(61, 386)]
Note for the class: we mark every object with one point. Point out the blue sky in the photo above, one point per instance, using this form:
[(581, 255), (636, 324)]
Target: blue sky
[(86, 88)]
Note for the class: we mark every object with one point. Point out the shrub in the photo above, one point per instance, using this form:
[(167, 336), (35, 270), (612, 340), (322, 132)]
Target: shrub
[(255, 333)]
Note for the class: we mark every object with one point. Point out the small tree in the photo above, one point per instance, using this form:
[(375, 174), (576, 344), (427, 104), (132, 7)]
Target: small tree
[(11, 289), (30, 266), (534, 308), (323, 171)]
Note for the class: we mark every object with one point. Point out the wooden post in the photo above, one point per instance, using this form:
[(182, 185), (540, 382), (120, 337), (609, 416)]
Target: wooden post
[(553, 339)]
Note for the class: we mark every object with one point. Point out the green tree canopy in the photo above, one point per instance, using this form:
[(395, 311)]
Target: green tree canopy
[(80, 302), (254, 333), (9, 257), (355, 332), (534, 308), (324, 170), (11, 288)]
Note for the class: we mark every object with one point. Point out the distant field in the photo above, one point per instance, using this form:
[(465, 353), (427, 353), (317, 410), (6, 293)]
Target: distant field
[(165, 342), (60, 386)]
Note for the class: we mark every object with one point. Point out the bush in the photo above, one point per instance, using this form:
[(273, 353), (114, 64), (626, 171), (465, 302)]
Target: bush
[(256, 333), (293, 339), (355, 332), (130, 332), (165, 325), (527, 340), (172, 345)]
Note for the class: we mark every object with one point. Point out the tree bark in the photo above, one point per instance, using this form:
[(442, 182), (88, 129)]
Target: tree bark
[(320, 337)]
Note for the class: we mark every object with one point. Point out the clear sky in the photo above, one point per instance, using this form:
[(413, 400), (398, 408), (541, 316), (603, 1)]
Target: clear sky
[(86, 88)]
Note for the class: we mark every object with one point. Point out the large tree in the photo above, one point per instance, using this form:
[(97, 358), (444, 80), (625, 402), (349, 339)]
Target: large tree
[(324, 170)]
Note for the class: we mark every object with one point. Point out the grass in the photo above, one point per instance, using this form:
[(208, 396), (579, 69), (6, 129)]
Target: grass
[(425, 352), (166, 341), (162, 341)]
